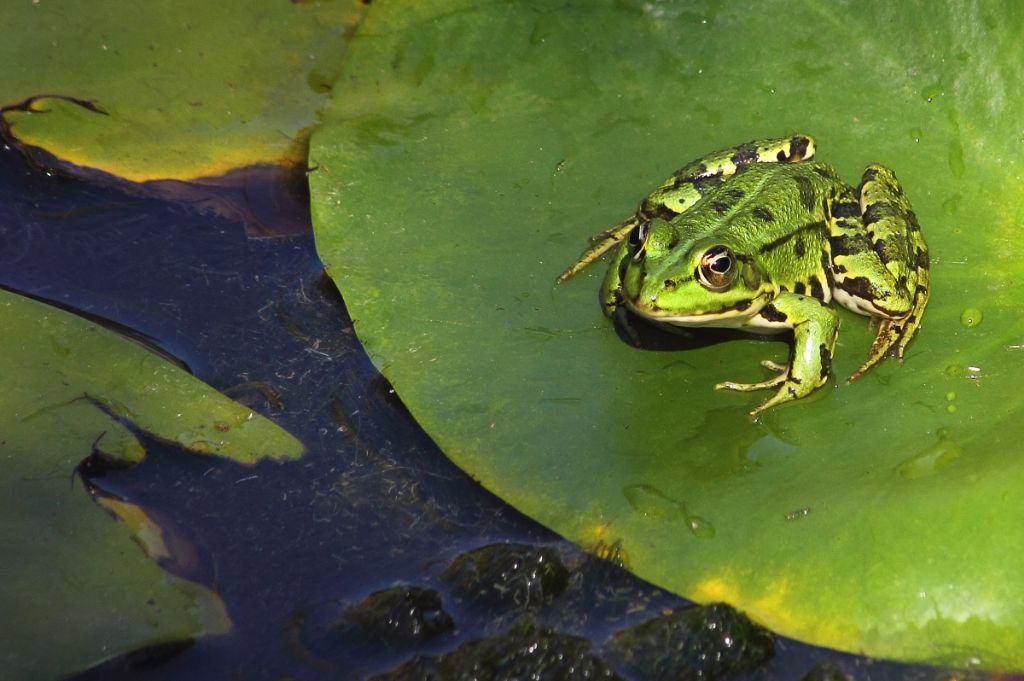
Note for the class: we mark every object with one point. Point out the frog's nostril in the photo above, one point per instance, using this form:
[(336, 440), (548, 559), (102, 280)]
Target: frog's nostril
[(670, 284)]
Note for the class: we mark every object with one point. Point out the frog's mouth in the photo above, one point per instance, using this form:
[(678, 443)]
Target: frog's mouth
[(731, 315)]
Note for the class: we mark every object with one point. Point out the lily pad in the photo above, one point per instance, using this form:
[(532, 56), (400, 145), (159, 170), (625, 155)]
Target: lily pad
[(77, 587), (473, 146), (176, 89)]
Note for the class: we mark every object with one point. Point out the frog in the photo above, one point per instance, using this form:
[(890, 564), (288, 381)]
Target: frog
[(762, 238)]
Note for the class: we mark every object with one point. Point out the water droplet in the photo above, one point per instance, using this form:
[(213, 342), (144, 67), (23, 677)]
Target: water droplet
[(956, 147), (700, 527), (951, 205), (651, 502), (916, 134), (932, 458), (932, 92), (972, 372), (196, 442), (971, 317), (956, 157)]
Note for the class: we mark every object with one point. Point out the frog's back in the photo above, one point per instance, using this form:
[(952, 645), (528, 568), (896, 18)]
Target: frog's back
[(761, 203), (774, 214)]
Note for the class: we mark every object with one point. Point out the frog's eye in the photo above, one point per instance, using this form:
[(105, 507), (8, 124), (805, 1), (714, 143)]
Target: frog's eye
[(637, 238), (717, 269)]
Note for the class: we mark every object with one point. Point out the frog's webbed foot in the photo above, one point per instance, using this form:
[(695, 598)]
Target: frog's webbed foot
[(893, 335), (600, 244), (783, 373), (815, 328), (789, 387)]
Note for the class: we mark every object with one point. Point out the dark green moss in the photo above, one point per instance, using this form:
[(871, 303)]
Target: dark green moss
[(701, 643)]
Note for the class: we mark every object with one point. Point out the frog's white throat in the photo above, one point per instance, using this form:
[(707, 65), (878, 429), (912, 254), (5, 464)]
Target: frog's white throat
[(729, 318)]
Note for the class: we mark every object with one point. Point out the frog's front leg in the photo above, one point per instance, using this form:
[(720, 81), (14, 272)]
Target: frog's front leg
[(688, 184), (815, 329), (880, 263), (611, 292)]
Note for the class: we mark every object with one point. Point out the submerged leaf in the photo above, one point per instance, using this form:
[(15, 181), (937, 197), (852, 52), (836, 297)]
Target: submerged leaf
[(173, 88), (77, 588), (474, 148)]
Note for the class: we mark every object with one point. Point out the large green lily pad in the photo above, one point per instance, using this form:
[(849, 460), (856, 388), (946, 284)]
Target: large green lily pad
[(475, 145), (188, 88), (77, 587)]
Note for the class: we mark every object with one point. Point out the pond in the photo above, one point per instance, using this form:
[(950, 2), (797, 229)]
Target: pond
[(437, 459), (292, 547)]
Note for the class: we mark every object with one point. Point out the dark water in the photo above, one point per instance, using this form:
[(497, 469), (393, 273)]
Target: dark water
[(373, 503)]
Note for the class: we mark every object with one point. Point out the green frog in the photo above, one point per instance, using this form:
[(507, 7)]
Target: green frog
[(760, 237)]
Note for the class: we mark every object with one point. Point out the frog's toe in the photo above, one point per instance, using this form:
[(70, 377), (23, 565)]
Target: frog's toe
[(774, 366), (789, 387), (610, 233), (747, 387), (588, 256), (789, 391), (893, 337), (880, 349), (773, 382), (912, 322), (599, 245)]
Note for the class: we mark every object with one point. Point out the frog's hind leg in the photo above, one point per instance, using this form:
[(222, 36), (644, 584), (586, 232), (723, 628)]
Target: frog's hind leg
[(880, 262), (688, 184), (600, 244)]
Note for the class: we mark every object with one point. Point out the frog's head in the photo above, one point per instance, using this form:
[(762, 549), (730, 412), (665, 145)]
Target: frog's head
[(690, 282)]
